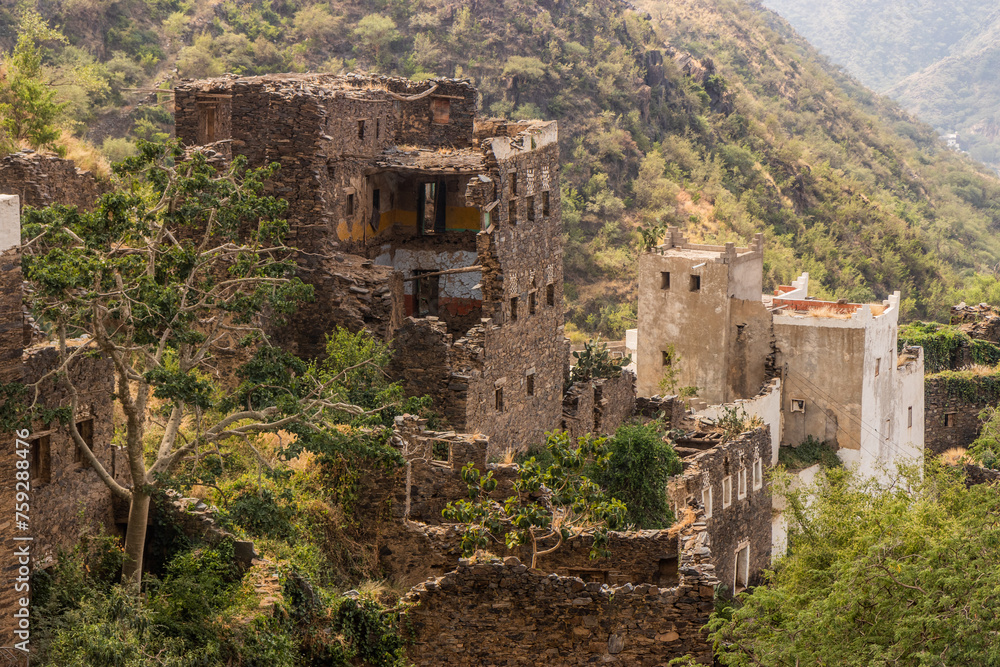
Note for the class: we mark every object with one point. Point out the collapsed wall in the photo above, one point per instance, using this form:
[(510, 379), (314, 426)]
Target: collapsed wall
[(599, 406), (504, 613), (41, 179)]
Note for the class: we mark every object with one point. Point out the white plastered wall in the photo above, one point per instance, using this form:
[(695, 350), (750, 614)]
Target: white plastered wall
[(10, 222)]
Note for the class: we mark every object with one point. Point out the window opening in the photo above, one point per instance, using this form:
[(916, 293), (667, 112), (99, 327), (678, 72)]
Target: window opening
[(741, 484), (499, 399), (350, 204), (361, 129), (530, 384), (706, 500), (758, 474), (742, 575), (425, 293), (86, 430), (513, 183), (727, 491), (531, 303), (550, 294), (530, 203), (664, 280), (441, 108), (513, 309), (878, 366), (545, 204), (512, 211), (909, 417), (695, 283), (798, 405), (949, 420), (41, 460)]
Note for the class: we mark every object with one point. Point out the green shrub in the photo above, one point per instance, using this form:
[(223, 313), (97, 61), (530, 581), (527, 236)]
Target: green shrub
[(810, 452), (641, 462)]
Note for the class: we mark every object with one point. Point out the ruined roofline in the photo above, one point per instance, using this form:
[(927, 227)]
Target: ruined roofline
[(792, 305), (675, 242), (318, 82)]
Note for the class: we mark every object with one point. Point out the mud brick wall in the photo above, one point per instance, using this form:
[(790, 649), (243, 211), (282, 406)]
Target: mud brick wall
[(503, 613), (951, 410), (43, 179), (614, 402), (745, 522)]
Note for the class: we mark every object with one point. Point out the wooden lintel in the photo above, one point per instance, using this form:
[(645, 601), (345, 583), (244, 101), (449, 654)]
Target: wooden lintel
[(464, 269)]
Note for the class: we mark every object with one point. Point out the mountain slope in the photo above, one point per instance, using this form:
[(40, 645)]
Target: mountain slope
[(751, 132)]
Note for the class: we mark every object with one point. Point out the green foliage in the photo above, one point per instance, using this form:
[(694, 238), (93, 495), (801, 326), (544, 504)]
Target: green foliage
[(970, 386), (573, 504), (876, 574), (985, 449), (808, 453), (641, 462), (594, 362)]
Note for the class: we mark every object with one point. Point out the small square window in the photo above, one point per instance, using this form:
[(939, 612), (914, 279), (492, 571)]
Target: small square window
[(550, 294), (695, 283), (529, 384), (706, 500), (727, 491), (909, 417), (531, 303), (545, 204), (530, 203), (498, 398), (798, 405), (361, 129), (949, 420), (741, 484), (758, 474), (664, 280), (513, 309), (350, 204), (878, 366), (512, 211)]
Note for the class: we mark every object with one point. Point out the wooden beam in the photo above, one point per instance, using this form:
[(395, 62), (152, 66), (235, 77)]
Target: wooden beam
[(464, 269)]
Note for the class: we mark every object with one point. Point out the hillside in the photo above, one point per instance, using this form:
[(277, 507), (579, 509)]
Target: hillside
[(755, 133)]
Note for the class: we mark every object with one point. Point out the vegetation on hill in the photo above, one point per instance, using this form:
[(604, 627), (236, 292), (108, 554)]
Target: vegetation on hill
[(756, 134)]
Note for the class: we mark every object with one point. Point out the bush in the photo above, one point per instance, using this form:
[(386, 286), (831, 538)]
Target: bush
[(641, 462), (810, 452)]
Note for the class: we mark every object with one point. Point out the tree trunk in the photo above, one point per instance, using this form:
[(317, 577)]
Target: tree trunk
[(135, 537)]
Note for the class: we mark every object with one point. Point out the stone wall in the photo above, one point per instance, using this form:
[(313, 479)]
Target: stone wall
[(670, 409), (503, 613), (744, 522), (952, 407), (40, 179), (614, 402), (578, 409)]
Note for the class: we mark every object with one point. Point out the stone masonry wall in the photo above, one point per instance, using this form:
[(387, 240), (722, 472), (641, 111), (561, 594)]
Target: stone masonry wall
[(503, 613), (42, 179), (578, 410), (614, 402), (951, 416), (670, 409), (744, 522)]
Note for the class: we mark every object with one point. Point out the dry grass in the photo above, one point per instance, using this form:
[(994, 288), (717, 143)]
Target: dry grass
[(686, 520), (831, 312), (979, 369), (955, 456), (383, 591), (87, 157), (508, 456)]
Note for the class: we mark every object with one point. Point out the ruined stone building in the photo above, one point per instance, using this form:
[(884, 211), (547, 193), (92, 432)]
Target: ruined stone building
[(463, 213), (41, 179), (842, 382), (64, 493)]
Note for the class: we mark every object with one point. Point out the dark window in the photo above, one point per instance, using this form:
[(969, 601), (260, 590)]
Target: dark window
[(441, 109), (664, 280), (530, 384), (350, 204), (530, 203), (798, 405), (513, 183), (41, 460), (499, 399), (426, 293), (909, 417), (668, 572), (361, 129), (513, 309), (440, 451), (550, 294), (545, 204), (376, 200), (695, 283), (512, 211), (86, 430), (378, 128), (949, 420), (668, 358), (531, 303)]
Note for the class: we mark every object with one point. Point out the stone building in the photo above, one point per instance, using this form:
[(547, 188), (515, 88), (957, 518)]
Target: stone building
[(41, 179), (63, 492), (466, 211), (842, 382)]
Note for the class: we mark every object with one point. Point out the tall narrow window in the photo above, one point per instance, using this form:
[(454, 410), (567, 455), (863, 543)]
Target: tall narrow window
[(741, 484), (758, 474), (741, 578), (86, 430), (529, 384), (378, 128), (530, 203), (513, 183), (531, 303), (350, 204), (695, 283), (727, 491), (498, 398), (512, 211), (376, 200), (361, 129), (550, 294), (41, 460), (706, 500), (909, 417), (667, 358), (878, 366), (664, 280), (513, 309), (545, 204), (949, 420)]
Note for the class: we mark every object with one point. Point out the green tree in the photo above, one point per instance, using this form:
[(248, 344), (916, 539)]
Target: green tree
[(27, 103), (903, 574), (641, 462), (595, 362), (173, 268), (376, 33), (558, 501)]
